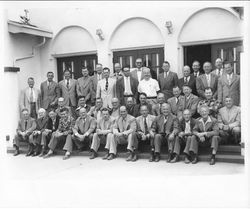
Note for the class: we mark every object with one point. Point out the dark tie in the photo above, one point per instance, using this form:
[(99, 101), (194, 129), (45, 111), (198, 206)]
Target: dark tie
[(165, 124), (25, 125), (145, 126), (107, 84), (195, 74), (185, 80), (67, 84)]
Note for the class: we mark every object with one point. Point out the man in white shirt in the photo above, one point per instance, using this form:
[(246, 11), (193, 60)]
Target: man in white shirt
[(219, 67), (149, 86)]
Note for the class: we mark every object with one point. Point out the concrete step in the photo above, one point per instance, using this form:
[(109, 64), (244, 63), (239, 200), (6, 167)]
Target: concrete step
[(228, 158)]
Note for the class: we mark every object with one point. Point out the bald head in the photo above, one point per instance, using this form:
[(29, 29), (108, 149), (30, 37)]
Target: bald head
[(123, 111), (83, 113), (115, 103), (207, 67), (147, 73)]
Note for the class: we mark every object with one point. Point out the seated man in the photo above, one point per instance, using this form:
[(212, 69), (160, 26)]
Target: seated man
[(165, 129), (104, 134), (51, 127), (130, 105), (124, 133), (26, 126), (83, 130), (36, 135), (212, 103), (186, 125), (206, 131), (61, 105), (229, 122), (63, 133), (95, 111), (81, 103), (115, 110), (143, 101), (144, 123), (156, 108)]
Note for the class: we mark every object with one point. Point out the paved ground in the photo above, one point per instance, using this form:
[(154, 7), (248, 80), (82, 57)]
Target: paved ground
[(80, 182)]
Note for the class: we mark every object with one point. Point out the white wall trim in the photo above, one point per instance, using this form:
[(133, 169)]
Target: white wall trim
[(138, 48), (74, 54)]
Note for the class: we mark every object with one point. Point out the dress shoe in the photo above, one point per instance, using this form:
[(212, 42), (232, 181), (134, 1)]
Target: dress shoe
[(16, 152), (134, 158), (212, 161), (106, 156), (47, 155), (129, 158), (29, 153), (152, 158), (195, 160), (186, 160), (175, 159), (35, 154), (42, 153), (93, 155), (111, 156), (66, 157), (169, 158), (157, 157)]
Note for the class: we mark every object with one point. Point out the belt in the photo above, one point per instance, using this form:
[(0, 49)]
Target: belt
[(151, 97)]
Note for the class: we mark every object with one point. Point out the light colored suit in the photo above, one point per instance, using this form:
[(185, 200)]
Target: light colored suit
[(229, 117), (190, 104), (201, 84), (108, 94), (232, 90), (49, 94), (69, 95), (25, 99), (84, 87)]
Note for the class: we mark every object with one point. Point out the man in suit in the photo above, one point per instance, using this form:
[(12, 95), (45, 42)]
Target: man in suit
[(36, 135), (26, 126), (190, 101), (229, 85), (124, 133), (167, 80), (130, 105), (213, 104), (196, 69), (117, 75), (137, 72), (50, 92), (95, 78), (30, 98), (51, 127), (176, 102), (84, 86), (143, 101), (126, 86), (63, 133), (95, 111), (219, 71), (206, 132), (115, 110), (144, 123), (104, 135), (68, 90), (164, 130), (81, 104), (186, 125), (106, 88), (207, 80), (229, 122), (188, 79), (156, 108)]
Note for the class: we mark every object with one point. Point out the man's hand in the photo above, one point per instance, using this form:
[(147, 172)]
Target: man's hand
[(118, 134), (181, 134), (143, 137), (171, 137), (202, 139), (226, 127)]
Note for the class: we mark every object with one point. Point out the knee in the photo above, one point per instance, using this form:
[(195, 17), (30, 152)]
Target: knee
[(44, 134), (109, 135), (157, 137), (95, 136), (236, 130)]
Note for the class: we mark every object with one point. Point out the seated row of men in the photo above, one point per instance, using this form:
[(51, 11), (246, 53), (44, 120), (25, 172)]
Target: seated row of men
[(97, 125)]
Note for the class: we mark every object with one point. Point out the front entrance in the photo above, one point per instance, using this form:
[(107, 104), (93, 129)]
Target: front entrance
[(229, 51), (75, 64), (152, 58)]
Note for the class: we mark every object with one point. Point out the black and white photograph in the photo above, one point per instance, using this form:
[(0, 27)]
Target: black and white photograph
[(125, 104)]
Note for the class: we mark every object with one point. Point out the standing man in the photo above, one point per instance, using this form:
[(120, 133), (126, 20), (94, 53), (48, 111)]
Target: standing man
[(144, 123), (26, 126), (50, 92), (126, 86), (85, 86), (207, 80), (149, 86), (196, 69), (206, 131), (106, 88), (30, 98), (95, 78), (219, 71), (156, 108), (68, 90), (104, 135), (164, 130), (229, 122), (229, 85), (137, 72), (188, 79), (117, 75), (167, 80), (124, 133)]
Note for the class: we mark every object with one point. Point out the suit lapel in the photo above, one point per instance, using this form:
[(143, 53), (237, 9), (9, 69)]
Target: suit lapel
[(204, 78)]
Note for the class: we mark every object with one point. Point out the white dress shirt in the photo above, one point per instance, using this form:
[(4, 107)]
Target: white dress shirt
[(31, 92), (139, 71), (187, 127), (208, 76), (150, 87), (166, 74), (127, 86), (229, 78)]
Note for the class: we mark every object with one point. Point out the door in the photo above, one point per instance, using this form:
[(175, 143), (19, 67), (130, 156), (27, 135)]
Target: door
[(75, 65), (152, 58)]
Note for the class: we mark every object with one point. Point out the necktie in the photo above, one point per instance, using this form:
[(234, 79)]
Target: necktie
[(124, 124), (25, 125), (107, 84), (126, 90), (208, 80), (185, 80), (229, 79), (160, 108), (67, 84), (31, 95), (195, 74), (219, 71), (145, 125), (165, 124)]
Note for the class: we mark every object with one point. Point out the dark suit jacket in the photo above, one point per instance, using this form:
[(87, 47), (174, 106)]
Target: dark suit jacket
[(41, 123), (137, 107), (201, 84), (133, 74), (31, 125), (171, 125), (49, 94), (200, 73), (190, 104), (120, 88), (69, 95), (130, 110), (84, 87), (182, 124), (191, 83), (82, 128), (167, 84), (50, 124)]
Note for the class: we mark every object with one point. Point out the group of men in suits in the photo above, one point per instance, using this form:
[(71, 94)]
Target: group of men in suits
[(131, 107)]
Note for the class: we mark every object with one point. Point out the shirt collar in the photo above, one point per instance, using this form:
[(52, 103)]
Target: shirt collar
[(208, 120)]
